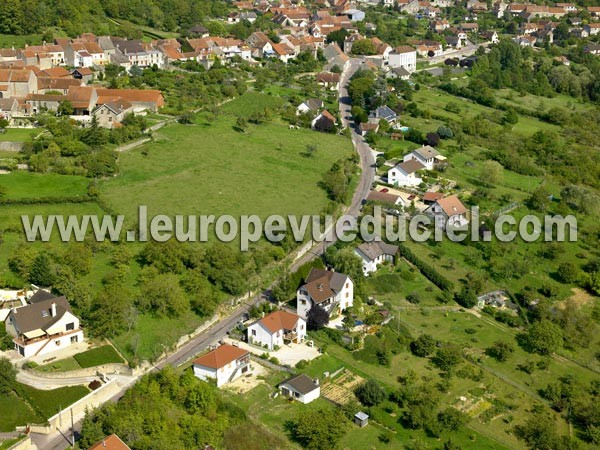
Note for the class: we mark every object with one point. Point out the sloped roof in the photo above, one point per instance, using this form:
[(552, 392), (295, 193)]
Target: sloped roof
[(383, 197), (134, 95), (301, 383), (426, 152), (37, 316), (41, 296), (410, 166), (279, 320), (112, 442), (375, 249), (221, 356), (322, 284), (432, 196), (452, 205), (403, 49)]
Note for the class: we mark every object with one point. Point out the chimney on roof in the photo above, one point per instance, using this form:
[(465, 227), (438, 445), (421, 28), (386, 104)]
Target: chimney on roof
[(53, 310), (320, 287)]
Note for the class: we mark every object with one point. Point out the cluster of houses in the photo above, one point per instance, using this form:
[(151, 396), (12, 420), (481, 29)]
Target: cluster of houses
[(324, 288)]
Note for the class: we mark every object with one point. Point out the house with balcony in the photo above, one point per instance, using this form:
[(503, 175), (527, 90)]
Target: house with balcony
[(45, 325), (223, 364), (277, 329), (332, 291)]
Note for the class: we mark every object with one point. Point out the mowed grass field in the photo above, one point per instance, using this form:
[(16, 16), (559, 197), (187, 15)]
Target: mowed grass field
[(35, 406), (213, 169), (18, 134), (22, 185)]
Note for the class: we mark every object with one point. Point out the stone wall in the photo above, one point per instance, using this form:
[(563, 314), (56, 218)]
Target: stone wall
[(107, 369), (11, 146)]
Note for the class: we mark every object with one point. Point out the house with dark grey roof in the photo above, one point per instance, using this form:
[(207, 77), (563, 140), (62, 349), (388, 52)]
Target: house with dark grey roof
[(375, 253), (405, 173), (383, 112), (332, 291), (312, 105), (301, 388), (45, 325)]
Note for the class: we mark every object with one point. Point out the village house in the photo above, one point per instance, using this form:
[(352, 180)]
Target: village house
[(405, 173), (332, 291), (365, 127), (223, 364), (312, 106), (429, 198), (375, 253), (9, 108), (324, 122), (328, 80), (429, 49), (301, 388), (427, 156), (140, 99), (45, 325), (448, 210), (112, 442), (385, 198), (277, 329), (399, 72), (403, 56), (111, 114), (17, 83), (383, 113), (84, 74)]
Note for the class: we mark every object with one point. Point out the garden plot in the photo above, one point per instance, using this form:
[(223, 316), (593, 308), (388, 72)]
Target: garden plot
[(341, 390)]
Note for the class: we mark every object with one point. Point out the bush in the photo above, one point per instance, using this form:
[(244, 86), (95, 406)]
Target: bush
[(30, 365), (370, 393)]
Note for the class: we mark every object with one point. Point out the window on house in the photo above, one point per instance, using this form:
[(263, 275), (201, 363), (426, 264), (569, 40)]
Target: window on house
[(110, 119), (303, 301), (253, 332), (347, 294), (70, 326)]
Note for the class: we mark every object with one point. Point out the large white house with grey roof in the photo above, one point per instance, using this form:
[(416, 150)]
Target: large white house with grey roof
[(44, 326), (332, 291)]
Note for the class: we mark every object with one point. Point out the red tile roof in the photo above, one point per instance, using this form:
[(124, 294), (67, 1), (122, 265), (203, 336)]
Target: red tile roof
[(221, 356), (279, 320), (112, 442)]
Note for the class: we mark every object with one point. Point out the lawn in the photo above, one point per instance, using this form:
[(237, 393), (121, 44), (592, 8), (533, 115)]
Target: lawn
[(252, 103), (22, 184), (18, 134), (10, 40), (213, 169), (35, 406), (435, 101), (98, 356), (393, 287), (275, 412)]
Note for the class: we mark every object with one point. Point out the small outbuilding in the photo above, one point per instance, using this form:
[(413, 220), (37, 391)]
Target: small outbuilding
[(301, 388), (361, 419)]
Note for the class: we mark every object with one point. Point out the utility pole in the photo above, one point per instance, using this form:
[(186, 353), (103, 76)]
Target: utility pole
[(72, 430)]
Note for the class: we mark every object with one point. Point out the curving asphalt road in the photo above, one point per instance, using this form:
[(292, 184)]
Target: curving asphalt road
[(57, 441)]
